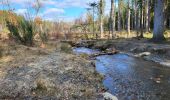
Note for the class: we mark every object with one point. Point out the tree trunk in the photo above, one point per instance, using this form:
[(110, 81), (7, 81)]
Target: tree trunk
[(169, 22), (158, 21), (138, 22), (119, 16), (112, 22), (166, 13), (101, 18), (142, 21), (135, 15), (93, 24), (128, 19), (147, 15)]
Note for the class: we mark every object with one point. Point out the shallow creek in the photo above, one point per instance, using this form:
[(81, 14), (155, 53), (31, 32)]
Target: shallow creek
[(130, 78)]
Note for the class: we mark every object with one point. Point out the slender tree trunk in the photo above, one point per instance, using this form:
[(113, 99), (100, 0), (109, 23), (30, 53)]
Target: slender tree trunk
[(119, 16), (101, 19), (93, 24), (142, 21), (135, 15), (147, 15), (128, 19), (138, 22), (112, 22), (166, 13), (158, 21)]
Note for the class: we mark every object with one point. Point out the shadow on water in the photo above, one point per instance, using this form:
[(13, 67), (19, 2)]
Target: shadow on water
[(132, 78)]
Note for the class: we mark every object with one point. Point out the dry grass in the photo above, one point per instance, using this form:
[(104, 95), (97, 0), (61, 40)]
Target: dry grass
[(15, 55)]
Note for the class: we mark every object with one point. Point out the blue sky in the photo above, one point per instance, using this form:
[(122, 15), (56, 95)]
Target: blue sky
[(53, 10)]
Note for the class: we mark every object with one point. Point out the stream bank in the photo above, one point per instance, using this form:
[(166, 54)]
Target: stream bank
[(159, 53), (131, 78)]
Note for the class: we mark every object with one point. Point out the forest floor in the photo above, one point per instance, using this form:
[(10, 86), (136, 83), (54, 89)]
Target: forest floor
[(53, 72), (46, 73)]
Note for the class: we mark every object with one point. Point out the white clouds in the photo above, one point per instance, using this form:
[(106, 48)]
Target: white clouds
[(54, 8), (21, 11), (53, 11), (21, 1)]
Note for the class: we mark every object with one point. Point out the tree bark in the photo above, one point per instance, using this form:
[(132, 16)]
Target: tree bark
[(128, 19), (166, 13), (158, 21), (112, 22), (142, 20), (119, 16), (138, 22), (101, 18), (135, 15), (147, 15)]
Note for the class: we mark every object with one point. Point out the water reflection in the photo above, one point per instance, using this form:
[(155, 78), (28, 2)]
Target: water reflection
[(83, 50)]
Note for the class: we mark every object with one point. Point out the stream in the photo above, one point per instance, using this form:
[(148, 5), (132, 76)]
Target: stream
[(130, 78)]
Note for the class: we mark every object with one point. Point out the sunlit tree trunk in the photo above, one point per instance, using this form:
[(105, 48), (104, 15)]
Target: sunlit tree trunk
[(158, 21), (147, 15), (128, 18), (112, 22), (101, 18)]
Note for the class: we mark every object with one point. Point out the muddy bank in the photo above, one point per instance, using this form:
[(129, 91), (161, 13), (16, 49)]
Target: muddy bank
[(159, 53), (36, 73)]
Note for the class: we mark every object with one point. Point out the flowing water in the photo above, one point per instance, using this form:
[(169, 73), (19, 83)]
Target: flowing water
[(131, 78)]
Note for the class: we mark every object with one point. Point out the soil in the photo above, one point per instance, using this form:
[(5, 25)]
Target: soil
[(46, 73)]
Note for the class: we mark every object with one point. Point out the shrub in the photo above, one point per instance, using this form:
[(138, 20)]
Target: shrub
[(43, 35), (22, 32)]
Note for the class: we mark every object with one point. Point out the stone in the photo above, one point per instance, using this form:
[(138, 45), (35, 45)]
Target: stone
[(143, 54), (108, 96)]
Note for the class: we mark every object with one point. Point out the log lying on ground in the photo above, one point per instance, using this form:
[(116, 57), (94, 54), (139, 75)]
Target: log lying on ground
[(104, 53), (83, 43)]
